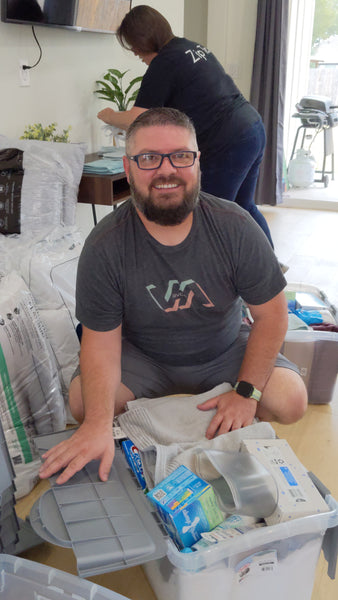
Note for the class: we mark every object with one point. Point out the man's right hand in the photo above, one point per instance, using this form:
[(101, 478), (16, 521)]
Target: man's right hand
[(90, 442)]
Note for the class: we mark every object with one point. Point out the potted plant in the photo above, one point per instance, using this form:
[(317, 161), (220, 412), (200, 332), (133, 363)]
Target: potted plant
[(112, 89), (46, 134)]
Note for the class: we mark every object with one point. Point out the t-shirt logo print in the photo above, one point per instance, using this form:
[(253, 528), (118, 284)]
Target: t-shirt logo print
[(179, 296)]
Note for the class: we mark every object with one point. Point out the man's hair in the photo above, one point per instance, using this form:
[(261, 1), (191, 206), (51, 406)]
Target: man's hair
[(144, 29), (161, 116)]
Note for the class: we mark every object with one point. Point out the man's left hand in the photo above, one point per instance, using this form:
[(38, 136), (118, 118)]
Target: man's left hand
[(232, 412)]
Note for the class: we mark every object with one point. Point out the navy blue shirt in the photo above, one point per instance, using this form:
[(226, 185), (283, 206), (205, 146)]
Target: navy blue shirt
[(187, 76)]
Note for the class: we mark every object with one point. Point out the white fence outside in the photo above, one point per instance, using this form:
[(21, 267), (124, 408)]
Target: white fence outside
[(323, 81)]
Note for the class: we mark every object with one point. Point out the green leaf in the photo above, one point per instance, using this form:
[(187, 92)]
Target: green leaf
[(111, 88), (132, 83), (114, 80), (48, 133), (118, 73), (105, 94), (106, 86)]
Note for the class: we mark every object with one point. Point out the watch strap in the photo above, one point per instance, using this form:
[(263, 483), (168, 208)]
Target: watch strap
[(253, 392)]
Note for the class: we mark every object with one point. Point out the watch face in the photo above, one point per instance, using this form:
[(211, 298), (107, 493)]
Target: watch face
[(245, 389)]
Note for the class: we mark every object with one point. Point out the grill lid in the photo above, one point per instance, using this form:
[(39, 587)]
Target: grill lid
[(322, 103)]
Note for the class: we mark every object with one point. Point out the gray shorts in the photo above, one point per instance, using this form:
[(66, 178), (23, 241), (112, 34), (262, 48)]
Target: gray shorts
[(146, 377)]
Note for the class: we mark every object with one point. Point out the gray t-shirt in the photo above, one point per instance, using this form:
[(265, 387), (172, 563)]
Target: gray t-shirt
[(178, 304)]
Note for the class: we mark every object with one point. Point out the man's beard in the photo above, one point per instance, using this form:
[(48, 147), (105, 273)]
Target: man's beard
[(165, 215)]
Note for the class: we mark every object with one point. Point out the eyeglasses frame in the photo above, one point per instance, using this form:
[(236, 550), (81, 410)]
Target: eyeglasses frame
[(163, 156)]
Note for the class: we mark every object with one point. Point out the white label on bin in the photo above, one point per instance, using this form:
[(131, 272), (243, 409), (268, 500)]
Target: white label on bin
[(261, 563)]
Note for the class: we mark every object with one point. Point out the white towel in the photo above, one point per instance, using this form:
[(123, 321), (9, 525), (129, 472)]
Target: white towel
[(168, 431)]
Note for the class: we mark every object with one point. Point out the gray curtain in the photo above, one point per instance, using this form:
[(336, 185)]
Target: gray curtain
[(268, 91)]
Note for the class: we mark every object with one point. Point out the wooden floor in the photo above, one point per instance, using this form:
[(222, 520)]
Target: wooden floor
[(307, 241)]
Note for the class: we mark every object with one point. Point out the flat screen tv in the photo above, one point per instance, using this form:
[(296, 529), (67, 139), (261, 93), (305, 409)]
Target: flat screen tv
[(103, 16)]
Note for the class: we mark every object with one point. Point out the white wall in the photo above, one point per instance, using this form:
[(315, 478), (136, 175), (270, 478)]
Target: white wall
[(228, 28), (196, 20), (231, 36), (62, 84)]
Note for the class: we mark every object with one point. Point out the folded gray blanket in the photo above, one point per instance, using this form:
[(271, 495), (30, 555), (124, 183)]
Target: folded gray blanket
[(170, 431)]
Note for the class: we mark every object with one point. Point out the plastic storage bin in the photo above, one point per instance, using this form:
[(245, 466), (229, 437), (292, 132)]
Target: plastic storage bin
[(109, 525), (316, 355), (16, 535), (315, 352), (275, 562), (310, 297), (9, 524), (21, 578)]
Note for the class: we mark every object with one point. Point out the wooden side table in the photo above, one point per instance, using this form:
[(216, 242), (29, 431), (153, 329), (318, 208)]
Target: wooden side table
[(106, 190)]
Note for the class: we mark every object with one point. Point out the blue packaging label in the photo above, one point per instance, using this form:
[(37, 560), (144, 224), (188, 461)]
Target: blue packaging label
[(134, 460), (187, 505), (288, 476)]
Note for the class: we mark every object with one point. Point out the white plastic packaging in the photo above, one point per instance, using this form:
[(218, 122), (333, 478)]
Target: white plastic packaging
[(49, 268), (229, 528), (30, 395), (52, 173)]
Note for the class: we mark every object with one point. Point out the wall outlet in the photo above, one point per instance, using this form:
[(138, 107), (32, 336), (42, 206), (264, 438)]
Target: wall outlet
[(24, 75)]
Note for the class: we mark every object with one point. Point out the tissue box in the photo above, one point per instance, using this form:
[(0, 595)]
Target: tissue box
[(298, 496), (187, 506)]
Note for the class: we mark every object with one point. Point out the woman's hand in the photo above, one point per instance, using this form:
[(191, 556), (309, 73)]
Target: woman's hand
[(107, 116)]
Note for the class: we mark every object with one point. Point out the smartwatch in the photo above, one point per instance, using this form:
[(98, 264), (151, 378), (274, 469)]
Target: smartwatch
[(247, 390)]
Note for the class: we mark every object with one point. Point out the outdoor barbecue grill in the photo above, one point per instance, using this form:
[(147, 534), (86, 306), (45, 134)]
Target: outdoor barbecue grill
[(317, 112)]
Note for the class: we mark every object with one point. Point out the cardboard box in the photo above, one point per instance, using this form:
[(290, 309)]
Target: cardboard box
[(187, 506), (298, 496)]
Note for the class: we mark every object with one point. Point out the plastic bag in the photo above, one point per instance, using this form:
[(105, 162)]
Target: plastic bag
[(31, 401)]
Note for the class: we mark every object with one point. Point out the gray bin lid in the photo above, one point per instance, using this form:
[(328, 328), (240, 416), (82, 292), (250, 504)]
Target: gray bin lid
[(21, 578), (109, 525)]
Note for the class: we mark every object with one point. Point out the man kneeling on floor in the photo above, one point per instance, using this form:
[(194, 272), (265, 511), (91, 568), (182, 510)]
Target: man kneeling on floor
[(159, 293)]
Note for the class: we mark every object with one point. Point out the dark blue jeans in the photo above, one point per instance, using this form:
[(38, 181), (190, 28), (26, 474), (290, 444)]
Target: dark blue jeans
[(233, 173)]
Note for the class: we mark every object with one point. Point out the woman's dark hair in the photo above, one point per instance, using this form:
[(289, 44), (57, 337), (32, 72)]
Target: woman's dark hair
[(144, 29)]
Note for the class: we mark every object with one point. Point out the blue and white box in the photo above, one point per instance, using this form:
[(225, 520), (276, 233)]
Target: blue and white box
[(297, 494), (187, 506)]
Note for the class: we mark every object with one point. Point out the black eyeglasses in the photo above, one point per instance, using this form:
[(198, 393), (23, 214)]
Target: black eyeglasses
[(153, 160)]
